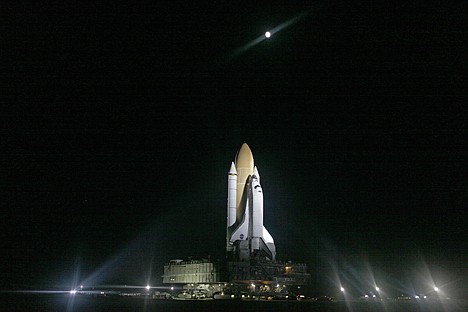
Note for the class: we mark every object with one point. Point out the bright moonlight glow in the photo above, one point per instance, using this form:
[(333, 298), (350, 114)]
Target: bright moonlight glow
[(268, 34), (342, 289), (148, 287)]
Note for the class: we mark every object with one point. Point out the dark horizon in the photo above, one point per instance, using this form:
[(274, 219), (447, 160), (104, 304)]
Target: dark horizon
[(123, 121)]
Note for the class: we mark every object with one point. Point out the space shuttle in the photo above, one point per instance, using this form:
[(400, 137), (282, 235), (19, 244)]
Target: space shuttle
[(246, 237)]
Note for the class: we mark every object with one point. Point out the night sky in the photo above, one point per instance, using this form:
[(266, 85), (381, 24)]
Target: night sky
[(120, 124)]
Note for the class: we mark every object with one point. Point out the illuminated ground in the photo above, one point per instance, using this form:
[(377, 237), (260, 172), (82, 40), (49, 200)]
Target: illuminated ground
[(21, 302)]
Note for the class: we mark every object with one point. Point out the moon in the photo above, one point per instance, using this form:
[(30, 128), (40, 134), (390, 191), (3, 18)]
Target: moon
[(267, 35)]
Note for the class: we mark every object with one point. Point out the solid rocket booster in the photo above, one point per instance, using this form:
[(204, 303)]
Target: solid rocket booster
[(232, 190)]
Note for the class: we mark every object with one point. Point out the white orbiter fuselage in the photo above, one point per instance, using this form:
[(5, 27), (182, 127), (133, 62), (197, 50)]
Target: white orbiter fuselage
[(246, 236)]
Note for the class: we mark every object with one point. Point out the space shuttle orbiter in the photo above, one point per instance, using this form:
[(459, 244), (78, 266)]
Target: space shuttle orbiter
[(247, 238)]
